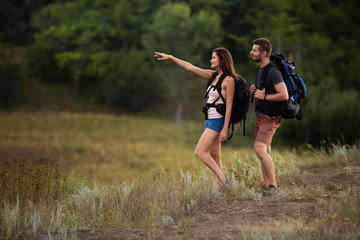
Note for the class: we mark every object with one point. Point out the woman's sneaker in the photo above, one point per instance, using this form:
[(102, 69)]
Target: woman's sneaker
[(228, 181)]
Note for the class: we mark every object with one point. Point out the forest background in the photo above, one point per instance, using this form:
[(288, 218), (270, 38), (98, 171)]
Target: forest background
[(97, 55)]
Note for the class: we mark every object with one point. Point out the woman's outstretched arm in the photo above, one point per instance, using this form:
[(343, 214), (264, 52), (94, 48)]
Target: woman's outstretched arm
[(205, 73)]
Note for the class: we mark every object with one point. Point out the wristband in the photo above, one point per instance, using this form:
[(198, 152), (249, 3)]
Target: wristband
[(265, 97)]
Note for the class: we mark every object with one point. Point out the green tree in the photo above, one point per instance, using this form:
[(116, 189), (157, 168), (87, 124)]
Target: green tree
[(274, 19), (11, 76), (15, 17), (82, 43), (178, 31)]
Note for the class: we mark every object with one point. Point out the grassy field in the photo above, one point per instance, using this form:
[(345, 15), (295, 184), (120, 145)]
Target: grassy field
[(104, 147), (92, 176)]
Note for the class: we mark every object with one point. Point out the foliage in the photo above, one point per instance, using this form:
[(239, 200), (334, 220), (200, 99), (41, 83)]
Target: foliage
[(15, 17), (90, 44), (324, 118), (177, 31), (275, 20), (10, 79), (133, 89)]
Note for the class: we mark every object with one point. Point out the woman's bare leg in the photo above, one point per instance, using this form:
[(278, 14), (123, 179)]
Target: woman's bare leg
[(215, 153), (207, 139)]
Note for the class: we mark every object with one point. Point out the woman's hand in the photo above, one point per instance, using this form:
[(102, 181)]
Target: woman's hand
[(184, 64), (259, 94), (223, 135), (162, 56)]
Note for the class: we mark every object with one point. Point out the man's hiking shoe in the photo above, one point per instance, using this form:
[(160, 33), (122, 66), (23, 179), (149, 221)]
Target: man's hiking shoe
[(264, 190), (228, 181), (270, 190)]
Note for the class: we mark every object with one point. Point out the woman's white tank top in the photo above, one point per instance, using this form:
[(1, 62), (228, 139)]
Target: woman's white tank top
[(213, 94)]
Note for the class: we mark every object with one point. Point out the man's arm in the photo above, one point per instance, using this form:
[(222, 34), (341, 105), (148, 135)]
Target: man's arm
[(281, 91), (280, 95)]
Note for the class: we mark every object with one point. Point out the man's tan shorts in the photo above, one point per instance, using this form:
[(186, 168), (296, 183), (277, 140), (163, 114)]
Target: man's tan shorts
[(265, 127)]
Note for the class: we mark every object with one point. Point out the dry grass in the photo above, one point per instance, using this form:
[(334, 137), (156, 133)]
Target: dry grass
[(335, 218), (333, 193), (141, 173), (34, 181)]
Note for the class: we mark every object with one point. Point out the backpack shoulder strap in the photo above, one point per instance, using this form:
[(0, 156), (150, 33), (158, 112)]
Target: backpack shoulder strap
[(218, 86), (264, 74), (208, 88), (221, 79)]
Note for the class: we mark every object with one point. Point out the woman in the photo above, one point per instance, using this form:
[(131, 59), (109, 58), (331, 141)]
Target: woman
[(216, 126)]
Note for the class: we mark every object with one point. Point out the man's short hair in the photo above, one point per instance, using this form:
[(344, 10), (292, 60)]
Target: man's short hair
[(264, 45)]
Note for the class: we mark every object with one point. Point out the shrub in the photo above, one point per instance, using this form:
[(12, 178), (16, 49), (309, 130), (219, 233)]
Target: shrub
[(36, 181)]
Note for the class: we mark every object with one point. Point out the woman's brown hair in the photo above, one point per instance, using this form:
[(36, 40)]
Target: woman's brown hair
[(226, 63)]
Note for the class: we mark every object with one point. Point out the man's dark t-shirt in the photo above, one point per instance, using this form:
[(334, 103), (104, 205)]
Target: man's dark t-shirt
[(274, 77)]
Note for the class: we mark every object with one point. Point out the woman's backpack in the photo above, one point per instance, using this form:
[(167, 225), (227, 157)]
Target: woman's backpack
[(240, 105)]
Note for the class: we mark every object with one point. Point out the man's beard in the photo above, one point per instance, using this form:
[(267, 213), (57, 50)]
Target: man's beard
[(257, 59)]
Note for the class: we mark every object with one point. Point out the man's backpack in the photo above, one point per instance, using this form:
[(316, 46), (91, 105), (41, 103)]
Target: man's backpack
[(240, 105), (294, 84)]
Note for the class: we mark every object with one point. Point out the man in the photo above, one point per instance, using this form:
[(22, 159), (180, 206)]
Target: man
[(269, 91)]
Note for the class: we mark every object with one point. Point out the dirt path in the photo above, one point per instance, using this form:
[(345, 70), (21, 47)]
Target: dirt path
[(223, 223)]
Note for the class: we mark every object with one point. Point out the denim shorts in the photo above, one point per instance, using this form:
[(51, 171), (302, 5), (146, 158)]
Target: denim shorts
[(215, 124)]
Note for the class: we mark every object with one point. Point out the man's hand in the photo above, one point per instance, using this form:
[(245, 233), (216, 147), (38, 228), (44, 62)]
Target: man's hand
[(252, 88), (259, 94)]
